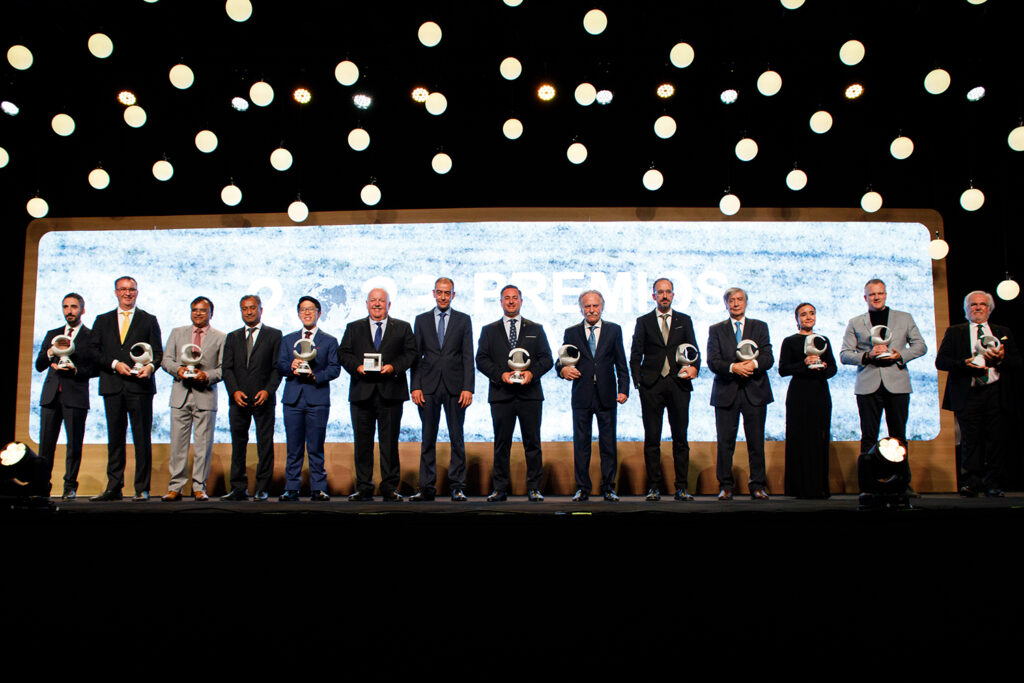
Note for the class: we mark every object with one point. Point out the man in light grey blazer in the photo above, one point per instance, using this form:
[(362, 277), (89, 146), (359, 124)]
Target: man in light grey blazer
[(883, 382), (193, 397)]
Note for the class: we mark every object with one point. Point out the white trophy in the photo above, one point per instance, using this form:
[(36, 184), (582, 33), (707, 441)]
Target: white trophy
[(686, 355), (372, 362), (747, 350), (814, 346), (63, 347), (518, 360), (984, 343), (880, 334), (191, 355), (142, 354), (568, 355), (305, 351)]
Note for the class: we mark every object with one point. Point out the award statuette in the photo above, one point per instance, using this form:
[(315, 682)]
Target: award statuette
[(880, 334), (305, 351), (142, 354), (984, 343), (747, 350), (686, 355), (63, 347), (372, 362), (518, 360), (568, 355), (190, 357), (815, 345)]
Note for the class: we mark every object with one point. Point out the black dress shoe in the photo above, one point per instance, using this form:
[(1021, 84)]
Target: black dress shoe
[(611, 496), (459, 496), (141, 496), (968, 491), (360, 497), (534, 496), (995, 493), (683, 494), (392, 497), (319, 497), (261, 497), (759, 494), (653, 495), (288, 497), (421, 497), (106, 496), (69, 495), (497, 497), (236, 495), (580, 496), (725, 494)]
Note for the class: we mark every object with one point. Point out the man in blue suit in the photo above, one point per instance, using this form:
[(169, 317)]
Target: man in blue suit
[(307, 402), (600, 381), (443, 377)]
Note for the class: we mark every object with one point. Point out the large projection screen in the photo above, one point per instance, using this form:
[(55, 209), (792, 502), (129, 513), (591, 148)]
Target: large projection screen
[(780, 257)]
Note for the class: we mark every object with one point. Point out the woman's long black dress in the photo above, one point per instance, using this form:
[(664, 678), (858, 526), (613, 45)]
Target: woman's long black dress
[(808, 420)]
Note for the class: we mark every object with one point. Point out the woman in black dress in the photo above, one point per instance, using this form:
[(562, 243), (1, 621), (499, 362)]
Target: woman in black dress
[(808, 410)]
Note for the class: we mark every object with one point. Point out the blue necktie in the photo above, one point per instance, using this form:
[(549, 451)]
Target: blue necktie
[(739, 333), (512, 338), (376, 338), (440, 330), (593, 341)]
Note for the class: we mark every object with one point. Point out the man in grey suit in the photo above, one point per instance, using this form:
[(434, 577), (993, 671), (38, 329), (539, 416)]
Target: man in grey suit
[(443, 377), (193, 397), (883, 382)]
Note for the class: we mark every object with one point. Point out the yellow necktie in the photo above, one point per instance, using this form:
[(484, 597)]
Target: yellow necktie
[(124, 324)]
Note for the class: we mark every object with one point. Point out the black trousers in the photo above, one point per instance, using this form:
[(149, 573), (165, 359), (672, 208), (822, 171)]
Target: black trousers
[(727, 424), (665, 394), (430, 417), (982, 442), (122, 408), (385, 417), (870, 407), (582, 435), (73, 419), (504, 415), (239, 419)]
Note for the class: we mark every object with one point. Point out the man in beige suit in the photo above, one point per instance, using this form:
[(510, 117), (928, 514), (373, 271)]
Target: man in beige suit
[(193, 397)]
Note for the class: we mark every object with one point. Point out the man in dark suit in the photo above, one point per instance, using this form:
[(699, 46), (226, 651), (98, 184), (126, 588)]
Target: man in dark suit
[(251, 376), (741, 387), (600, 382), (443, 377), (978, 391), (65, 395), (307, 402), (127, 392), (377, 396), (664, 385), (511, 400)]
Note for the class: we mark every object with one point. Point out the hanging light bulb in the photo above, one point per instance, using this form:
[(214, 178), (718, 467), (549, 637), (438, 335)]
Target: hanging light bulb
[(938, 248)]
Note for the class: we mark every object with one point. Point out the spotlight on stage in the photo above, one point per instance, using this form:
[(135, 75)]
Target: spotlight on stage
[(239, 103), (884, 476), (23, 476), (126, 97), (9, 108), (546, 92), (362, 100), (729, 96), (302, 95), (854, 90), (666, 90)]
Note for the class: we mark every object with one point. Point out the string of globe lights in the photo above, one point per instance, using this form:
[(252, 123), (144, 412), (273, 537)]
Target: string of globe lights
[(429, 34)]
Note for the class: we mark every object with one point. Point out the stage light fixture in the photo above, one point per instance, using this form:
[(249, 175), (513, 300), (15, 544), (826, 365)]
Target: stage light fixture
[(346, 72), (972, 199), (100, 45), (20, 57), (420, 95), (512, 128), (937, 81), (975, 94), (585, 94), (206, 141), (1008, 289), (126, 97), (135, 116), (851, 53), (665, 127), (546, 92), (576, 153), (298, 211), (681, 55), (729, 204), (302, 95), (261, 93), (9, 108), (281, 159), (239, 103), (595, 22), (429, 33), (796, 180), (238, 10), (181, 76), (729, 96), (792, 4), (884, 475), (370, 194), (769, 83), (853, 91), (902, 147), (513, 3), (653, 179), (362, 100), (63, 125), (4, 157), (441, 163), (510, 68), (604, 97), (37, 208), (821, 122), (938, 248), (746, 149), (99, 178), (162, 170), (358, 139), (231, 194), (23, 475), (666, 90), (1016, 139), (436, 103), (871, 201)]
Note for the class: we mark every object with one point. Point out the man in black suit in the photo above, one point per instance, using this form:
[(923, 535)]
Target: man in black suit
[(741, 387), (600, 382), (377, 392), (511, 400), (979, 392), (664, 385), (443, 376), (65, 395), (127, 392), (250, 373)]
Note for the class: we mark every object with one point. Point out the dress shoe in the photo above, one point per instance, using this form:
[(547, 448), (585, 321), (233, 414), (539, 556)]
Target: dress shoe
[(319, 497), (171, 497), (392, 497), (360, 497), (459, 496), (288, 497), (968, 491), (534, 496), (652, 495), (421, 496), (683, 494), (69, 495), (261, 497), (236, 495), (200, 496), (725, 494), (141, 496), (611, 496), (497, 497), (107, 496), (995, 493), (759, 494), (580, 496)]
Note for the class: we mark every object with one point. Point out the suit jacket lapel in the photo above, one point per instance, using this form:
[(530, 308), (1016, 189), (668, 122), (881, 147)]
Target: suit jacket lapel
[(654, 329)]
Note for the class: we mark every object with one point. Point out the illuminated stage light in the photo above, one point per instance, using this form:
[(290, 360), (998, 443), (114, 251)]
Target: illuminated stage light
[(729, 96), (37, 208), (9, 108), (938, 248), (512, 128), (126, 97), (4, 157), (436, 103), (851, 53), (231, 195), (821, 122), (298, 211), (769, 83), (420, 95), (871, 201), (653, 179), (1016, 139), (346, 72), (595, 22), (238, 10), (358, 139), (975, 94), (796, 180), (546, 92), (681, 55), (853, 91), (902, 147), (239, 103), (665, 127), (181, 76), (261, 93), (937, 81), (976, 2), (100, 45), (1007, 290), (792, 4), (63, 125), (206, 141), (604, 97), (302, 96), (99, 178), (429, 33), (162, 170), (577, 153), (20, 57), (972, 199), (370, 194), (441, 163), (281, 159), (729, 204), (513, 3), (585, 94), (510, 68), (746, 149), (666, 90), (362, 100), (135, 116)]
